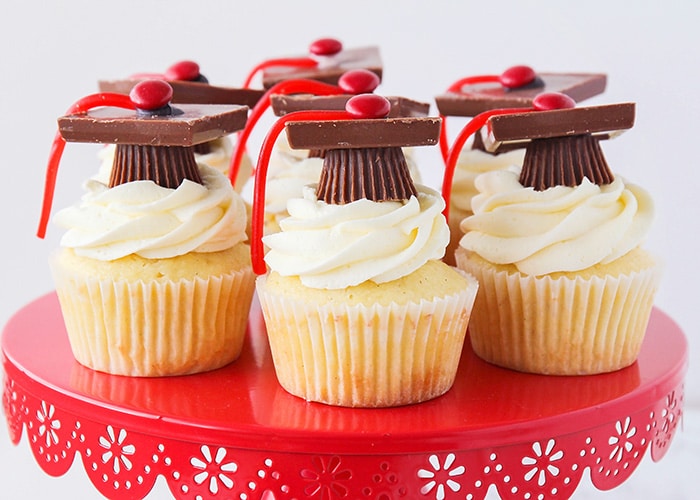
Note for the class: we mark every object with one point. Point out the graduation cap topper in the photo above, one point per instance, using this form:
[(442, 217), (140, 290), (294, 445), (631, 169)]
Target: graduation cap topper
[(561, 140), (155, 140), (189, 85), (350, 83), (326, 61), (516, 87), (363, 156)]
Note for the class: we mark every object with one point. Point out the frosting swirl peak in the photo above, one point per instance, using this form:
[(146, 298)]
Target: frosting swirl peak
[(154, 222), (335, 246), (558, 229)]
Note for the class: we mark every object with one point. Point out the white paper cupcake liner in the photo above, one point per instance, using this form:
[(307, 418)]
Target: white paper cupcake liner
[(155, 328), (560, 326), (367, 356)]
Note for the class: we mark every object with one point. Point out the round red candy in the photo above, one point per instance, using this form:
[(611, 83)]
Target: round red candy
[(517, 76), (186, 71), (325, 47), (151, 94), (358, 81), (548, 101), (368, 106)]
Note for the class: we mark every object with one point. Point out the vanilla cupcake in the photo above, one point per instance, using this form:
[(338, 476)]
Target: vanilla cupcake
[(565, 287), (359, 309), (467, 97), (153, 273)]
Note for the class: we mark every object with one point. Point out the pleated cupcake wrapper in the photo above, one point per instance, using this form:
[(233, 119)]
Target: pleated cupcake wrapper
[(560, 326), (155, 328), (366, 356)]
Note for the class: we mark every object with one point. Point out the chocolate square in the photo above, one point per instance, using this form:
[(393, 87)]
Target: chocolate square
[(185, 92), (400, 106), (330, 68), (603, 121), (190, 124), (475, 99)]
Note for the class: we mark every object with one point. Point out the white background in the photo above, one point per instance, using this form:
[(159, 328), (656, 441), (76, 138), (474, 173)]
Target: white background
[(52, 53)]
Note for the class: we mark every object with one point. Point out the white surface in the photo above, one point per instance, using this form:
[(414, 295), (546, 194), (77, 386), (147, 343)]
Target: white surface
[(53, 53)]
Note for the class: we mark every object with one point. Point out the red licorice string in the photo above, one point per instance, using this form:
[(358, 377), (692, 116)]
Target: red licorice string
[(470, 128), (81, 106), (257, 253), (284, 87), (456, 87), (292, 62)]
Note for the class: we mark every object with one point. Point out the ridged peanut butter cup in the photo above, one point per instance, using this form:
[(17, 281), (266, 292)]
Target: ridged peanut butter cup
[(377, 174)]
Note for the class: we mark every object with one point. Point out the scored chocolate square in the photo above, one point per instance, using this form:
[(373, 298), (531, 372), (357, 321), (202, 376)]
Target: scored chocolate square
[(363, 133), (477, 98), (603, 122), (189, 125), (400, 106), (186, 92), (330, 68)]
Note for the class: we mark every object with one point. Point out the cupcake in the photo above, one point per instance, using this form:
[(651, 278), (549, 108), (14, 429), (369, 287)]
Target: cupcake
[(190, 86), (565, 287), (360, 310), (289, 170), (153, 273), (514, 88)]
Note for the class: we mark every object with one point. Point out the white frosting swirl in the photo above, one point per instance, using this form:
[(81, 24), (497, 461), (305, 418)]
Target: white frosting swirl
[(154, 222), (335, 246), (558, 229), (472, 163)]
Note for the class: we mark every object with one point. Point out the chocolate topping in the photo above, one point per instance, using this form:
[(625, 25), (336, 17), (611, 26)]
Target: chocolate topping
[(167, 166), (377, 174), (363, 133), (603, 121), (193, 124), (564, 161), (330, 68), (400, 106), (477, 98), (562, 145), (187, 92)]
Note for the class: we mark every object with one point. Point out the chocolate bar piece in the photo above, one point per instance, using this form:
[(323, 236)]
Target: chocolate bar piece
[(601, 121), (330, 68), (400, 106), (190, 124), (363, 133), (185, 92), (475, 99)]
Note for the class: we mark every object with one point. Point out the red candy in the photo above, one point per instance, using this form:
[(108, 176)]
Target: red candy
[(151, 94), (358, 81), (517, 76), (186, 71), (552, 100), (368, 106), (325, 47)]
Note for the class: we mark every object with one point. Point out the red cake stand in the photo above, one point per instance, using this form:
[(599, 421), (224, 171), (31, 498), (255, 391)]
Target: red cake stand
[(235, 433)]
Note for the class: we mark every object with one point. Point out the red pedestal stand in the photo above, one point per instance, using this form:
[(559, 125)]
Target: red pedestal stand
[(235, 433)]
